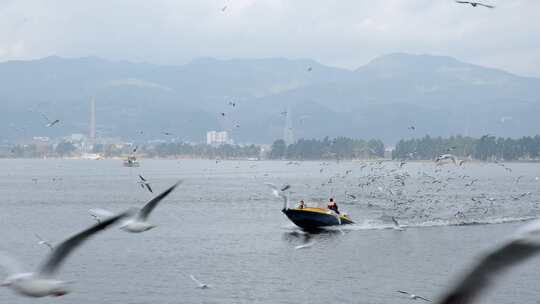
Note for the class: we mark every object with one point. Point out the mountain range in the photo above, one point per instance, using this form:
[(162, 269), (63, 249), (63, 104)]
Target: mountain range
[(438, 95)]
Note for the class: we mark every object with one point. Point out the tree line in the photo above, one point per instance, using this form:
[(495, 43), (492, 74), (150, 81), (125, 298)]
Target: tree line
[(487, 148), (337, 148), (203, 150)]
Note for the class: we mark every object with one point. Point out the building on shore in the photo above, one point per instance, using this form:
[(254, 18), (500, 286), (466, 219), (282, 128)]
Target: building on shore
[(217, 138)]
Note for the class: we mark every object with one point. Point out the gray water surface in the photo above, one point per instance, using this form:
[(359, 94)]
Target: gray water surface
[(223, 226)]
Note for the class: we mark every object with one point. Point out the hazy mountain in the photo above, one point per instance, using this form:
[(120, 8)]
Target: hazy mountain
[(439, 95)]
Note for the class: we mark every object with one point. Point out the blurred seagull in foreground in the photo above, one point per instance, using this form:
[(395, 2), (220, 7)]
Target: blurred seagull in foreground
[(474, 4), (145, 184), (524, 244), (42, 283), (138, 222), (44, 242), (413, 296)]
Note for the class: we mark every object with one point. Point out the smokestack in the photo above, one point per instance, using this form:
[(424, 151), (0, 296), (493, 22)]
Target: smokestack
[(92, 119)]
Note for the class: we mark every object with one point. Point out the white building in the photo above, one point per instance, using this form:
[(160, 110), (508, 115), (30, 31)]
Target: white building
[(217, 138)]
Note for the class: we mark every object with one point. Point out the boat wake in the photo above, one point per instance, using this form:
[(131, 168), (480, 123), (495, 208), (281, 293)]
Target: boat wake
[(382, 225)]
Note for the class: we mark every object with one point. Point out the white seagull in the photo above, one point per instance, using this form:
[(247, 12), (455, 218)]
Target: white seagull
[(413, 296), (524, 244), (44, 242), (200, 284), (443, 157), (42, 283), (279, 193), (138, 222)]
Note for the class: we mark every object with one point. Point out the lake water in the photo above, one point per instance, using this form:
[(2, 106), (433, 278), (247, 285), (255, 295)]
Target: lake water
[(223, 226)]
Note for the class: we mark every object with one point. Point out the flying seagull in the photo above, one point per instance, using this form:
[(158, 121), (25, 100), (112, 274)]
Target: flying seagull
[(44, 242), (474, 4), (223, 8), (42, 283), (397, 226), (412, 128), (145, 184), (279, 192), (443, 157), (166, 133), (138, 222), (50, 123), (413, 296), (524, 244), (200, 284), (233, 104), (309, 69)]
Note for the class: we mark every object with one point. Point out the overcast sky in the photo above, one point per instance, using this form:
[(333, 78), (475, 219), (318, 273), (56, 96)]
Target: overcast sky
[(345, 33)]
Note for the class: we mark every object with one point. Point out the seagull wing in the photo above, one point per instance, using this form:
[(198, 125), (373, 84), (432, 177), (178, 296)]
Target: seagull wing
[(100, 214), (463, 2), (517, 250), (149, 187), (425, 299), (195, 280), (403, 292), (57, 257), (486, 5), (46, 118), (145, 211), (275, 190), (142, 178)]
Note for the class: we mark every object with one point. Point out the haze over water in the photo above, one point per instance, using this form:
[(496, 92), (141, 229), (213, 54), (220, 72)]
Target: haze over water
[(223, 226)]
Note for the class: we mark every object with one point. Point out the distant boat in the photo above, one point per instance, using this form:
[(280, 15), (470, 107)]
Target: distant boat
[(131, 161), (314, 217)]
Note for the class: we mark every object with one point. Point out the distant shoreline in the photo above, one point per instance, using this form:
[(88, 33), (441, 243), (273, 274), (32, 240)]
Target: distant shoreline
[(261, 159)]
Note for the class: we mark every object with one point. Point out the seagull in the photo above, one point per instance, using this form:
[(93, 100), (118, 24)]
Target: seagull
[(284, 113), (144, 183), (42, 282), (166, 133), (222, 113), (474, 4), (442, 157), (138, 222), (524, 244), (309, 69), (278, 192), (233, 104), (50, 123), (396, 225), (223, 8), (44, 242), (412, 128), (200, 284), (413, 296)]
